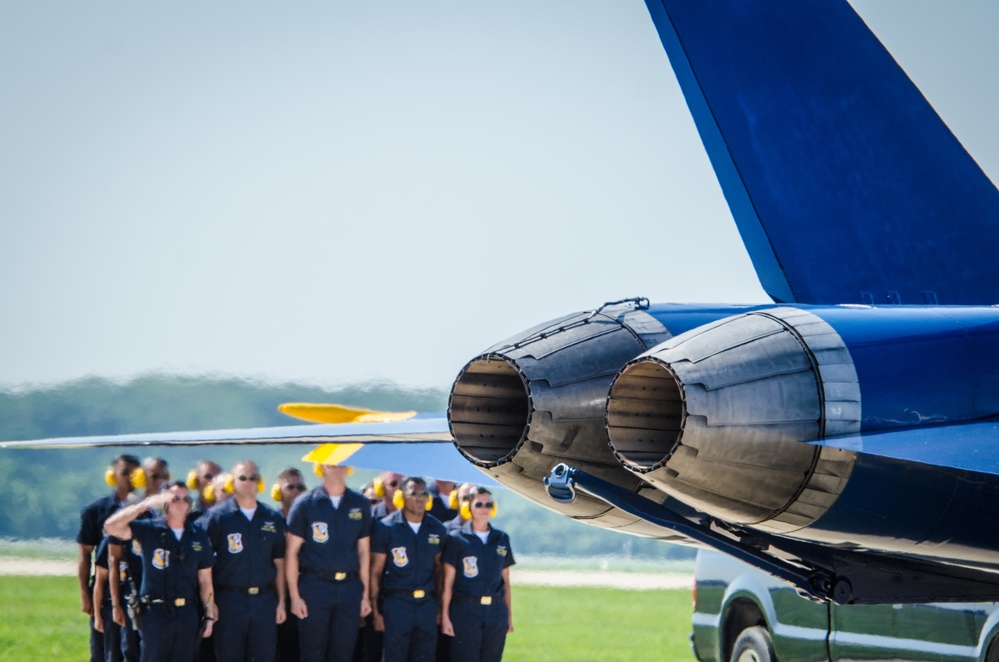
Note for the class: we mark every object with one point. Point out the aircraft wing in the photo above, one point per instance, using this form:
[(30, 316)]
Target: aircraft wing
[(968, 446), (419, 446), (845, 184)]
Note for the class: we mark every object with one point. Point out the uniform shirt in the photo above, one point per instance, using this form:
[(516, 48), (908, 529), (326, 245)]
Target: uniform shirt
[(92, 519), (479, 567), (330, 534), (170, 566), (101, 561), (379, 511), (244, 549), (409, 562), (440, 510)]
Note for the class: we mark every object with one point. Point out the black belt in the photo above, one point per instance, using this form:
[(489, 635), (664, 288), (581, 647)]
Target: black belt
[(330, 575), (481, 599), (417, 593), (246, 590)]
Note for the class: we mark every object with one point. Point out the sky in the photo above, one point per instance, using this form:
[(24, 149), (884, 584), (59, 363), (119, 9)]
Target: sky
[(332, 192)]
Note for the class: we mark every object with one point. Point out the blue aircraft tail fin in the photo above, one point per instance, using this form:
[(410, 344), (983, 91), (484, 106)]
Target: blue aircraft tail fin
[(845, 184)]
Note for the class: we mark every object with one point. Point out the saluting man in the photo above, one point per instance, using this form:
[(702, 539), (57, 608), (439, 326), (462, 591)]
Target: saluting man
[(406, 571), (177, 564), (248, 539), (327, 562)]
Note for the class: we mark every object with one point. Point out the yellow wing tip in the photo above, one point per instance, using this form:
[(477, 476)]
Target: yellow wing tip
[(331, 413)]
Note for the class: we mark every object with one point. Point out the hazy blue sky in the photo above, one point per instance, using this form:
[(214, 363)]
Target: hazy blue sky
[(335, 191)]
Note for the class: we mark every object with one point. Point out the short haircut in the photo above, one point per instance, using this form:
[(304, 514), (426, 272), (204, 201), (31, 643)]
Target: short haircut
[(412, 479), (288, 473), (127, 459)]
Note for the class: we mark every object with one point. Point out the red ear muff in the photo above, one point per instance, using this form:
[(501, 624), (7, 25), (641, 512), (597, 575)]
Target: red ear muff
[(192, 480), (109, 478)]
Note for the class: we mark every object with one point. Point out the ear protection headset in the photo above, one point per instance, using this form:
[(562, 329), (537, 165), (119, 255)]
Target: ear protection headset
[(276, 492), (136, 479), (192, 479), (398, 500), (109, 478), (452, 500), (466, 507), (230, 485), (379, 487), (209, 493), (317, 468)]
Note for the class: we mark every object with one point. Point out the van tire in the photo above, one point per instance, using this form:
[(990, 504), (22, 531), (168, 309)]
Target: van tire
[(754, 645)]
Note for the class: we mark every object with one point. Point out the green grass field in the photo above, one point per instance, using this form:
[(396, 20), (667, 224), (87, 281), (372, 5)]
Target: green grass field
[(42, 621)]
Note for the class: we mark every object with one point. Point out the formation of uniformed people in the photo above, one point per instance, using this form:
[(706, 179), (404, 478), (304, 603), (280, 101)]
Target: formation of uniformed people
[(204, 570)]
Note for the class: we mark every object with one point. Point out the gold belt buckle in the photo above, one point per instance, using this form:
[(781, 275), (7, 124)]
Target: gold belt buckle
[(253, 590), (486, 600), (419, 593), (340, 576), (179, 602)]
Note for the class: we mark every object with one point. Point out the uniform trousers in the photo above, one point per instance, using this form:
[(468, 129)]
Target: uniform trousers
[(112, 635), (479, 631), (245, 631), (131, 641), (169, 633), (329, 632), (410, 629), (96, 639)]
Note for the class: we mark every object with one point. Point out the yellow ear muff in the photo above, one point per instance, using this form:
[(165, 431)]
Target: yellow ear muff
[(466, 510), (192, 479), (452, 500), (379, 487), (138, 478), (350, 471), (261, 485), (398, 500), (209, 493), (109, 478), (230, 485), (276, 493)]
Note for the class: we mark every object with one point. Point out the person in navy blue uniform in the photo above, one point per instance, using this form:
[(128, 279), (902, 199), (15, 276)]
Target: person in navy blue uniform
[(385, 487), (441, 491), (289, 486), (327, 562), (103, 603), (124, 572), (406, 551), (248, 539), (92, 518), (476, 607), (177, 564)]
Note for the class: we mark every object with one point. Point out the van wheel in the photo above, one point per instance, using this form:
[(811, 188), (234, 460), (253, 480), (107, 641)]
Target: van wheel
[(754, 645)]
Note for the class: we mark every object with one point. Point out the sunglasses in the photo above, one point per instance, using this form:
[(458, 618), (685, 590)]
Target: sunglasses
[(159, 476), (207, 477), (297, 487), (393, 484), (414, 495), (254, 478), (175, 499), (483, 504), (375, 502)]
